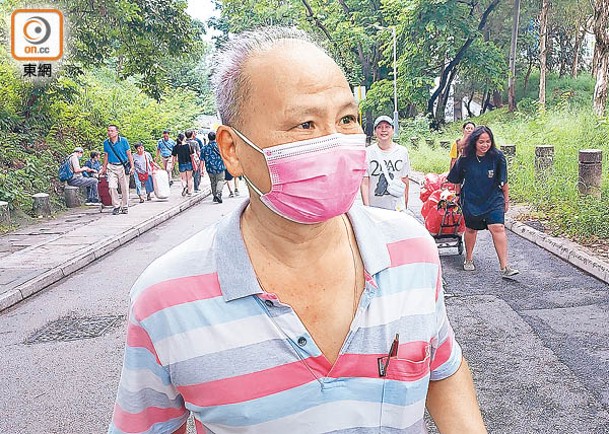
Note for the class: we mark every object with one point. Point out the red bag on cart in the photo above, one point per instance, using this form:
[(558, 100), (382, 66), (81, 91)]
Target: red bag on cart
[(445, 221), (431, 203), (433, 182)]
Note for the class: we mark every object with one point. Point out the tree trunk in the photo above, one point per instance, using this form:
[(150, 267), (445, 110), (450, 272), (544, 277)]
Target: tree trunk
[(514, 44), (543, 53), (457, 59), (527, 77), (579, 37), (458, 103), (497, 99), (601, 32)]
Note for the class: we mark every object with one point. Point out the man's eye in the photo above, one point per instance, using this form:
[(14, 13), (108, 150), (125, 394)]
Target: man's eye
[(348, 119), (306, 125)]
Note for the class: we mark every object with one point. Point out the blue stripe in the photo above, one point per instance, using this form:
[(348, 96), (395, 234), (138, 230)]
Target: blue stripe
[(406, 278), (140, 358), (306, 397), (198, 314)]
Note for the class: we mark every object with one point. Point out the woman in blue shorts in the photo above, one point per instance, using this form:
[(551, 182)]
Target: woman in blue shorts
[(481, 179)]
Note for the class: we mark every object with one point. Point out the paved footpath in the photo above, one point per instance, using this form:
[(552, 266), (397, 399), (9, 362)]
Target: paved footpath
[(538, 344), (35, 257)]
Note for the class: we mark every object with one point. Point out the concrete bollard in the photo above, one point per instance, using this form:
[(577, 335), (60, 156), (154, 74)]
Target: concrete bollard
[(445, 144), (5, 213), (414, 140), (42, 205), (544, 159), (508, 150), (430, 142), (72, 196), (590, 172)]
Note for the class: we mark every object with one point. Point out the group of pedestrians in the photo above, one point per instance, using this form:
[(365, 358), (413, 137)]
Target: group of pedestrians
[(477, 169), (191, 155)]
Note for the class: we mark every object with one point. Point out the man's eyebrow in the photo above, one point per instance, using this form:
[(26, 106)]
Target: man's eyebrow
[(298, 110)]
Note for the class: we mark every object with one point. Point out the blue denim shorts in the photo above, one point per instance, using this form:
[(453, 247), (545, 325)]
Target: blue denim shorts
[(481, 222), (185, 167)]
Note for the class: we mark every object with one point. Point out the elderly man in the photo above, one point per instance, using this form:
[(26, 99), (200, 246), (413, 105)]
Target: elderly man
[(385, 184), (78, 180), (295, 314)]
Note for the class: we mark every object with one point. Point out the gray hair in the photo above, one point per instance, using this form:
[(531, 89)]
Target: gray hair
[(230, 85)]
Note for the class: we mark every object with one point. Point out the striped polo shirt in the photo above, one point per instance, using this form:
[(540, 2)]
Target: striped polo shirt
[(204, 338)]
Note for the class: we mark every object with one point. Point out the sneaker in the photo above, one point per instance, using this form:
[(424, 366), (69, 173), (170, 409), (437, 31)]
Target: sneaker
[(231, 194), (219, 199), (90, 203), (508, 271), (469, 266), (215, 199), (116, 211), (124, 210)]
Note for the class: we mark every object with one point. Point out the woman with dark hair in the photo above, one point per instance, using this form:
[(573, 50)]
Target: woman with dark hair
[(481, 178), (456, 150), (181, 152)]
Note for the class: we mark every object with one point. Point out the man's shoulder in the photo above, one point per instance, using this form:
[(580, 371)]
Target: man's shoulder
[(191, 259), (395, 226)]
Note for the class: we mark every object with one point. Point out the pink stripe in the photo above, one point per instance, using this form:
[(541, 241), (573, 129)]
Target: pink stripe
[(176, 291), (200, 428), (439, 284), (412, 251), (137, 337), (249, 386), (141, 422), (443, 352), (408, 363)]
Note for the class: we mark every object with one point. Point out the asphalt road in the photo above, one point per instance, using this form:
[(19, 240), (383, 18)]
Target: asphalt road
[(538, 345)]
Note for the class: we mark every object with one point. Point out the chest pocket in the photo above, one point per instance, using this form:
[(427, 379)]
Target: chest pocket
[(404, 391)]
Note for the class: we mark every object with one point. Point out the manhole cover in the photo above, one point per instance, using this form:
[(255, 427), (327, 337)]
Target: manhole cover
[(74, 329)]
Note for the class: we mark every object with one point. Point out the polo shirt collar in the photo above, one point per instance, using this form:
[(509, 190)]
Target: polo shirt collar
[(236, 274)]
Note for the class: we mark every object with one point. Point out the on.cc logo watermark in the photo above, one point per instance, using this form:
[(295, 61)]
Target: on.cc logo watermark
[(37, 34)]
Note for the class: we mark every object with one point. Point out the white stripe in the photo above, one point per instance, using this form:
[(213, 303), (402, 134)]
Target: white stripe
[(334, 416), (133, 379), (208, 340), (392, 307)]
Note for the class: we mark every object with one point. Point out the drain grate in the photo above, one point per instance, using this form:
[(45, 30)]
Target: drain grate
[(72, 328)]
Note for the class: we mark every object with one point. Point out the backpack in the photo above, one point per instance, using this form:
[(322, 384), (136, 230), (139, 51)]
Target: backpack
[(65, 170)]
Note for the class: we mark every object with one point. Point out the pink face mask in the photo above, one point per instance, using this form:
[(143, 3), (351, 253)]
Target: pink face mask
[(313, 180)]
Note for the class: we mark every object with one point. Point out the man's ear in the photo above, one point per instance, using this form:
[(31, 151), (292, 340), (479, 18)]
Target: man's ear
[(226, 139)]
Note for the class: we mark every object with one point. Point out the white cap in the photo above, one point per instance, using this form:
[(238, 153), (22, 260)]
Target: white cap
[(383, 119)]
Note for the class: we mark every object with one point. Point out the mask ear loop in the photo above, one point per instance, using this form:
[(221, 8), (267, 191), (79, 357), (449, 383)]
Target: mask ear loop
[(251, 144)]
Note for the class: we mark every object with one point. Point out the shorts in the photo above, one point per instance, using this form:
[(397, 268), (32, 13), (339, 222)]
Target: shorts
[(185, 167), (481, 222), (227, 175)]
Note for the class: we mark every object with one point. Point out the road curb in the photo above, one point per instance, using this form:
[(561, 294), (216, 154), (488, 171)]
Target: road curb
[(88, 254), (567, 250)]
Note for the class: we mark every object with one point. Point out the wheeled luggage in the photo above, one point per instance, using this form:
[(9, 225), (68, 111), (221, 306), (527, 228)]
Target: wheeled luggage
[(104, 193), (160, 180)]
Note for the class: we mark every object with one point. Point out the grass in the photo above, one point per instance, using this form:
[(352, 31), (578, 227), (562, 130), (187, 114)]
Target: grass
[(569, 127)]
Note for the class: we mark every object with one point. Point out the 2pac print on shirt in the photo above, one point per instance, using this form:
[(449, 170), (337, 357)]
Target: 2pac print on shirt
[(382, 183)]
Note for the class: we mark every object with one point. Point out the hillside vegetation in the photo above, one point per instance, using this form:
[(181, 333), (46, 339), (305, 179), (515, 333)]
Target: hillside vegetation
[(569, 125)]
